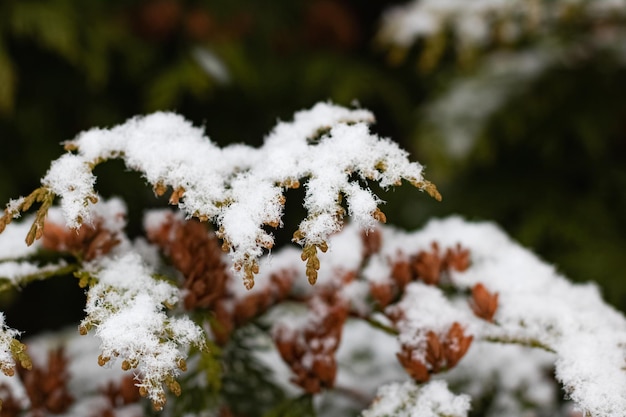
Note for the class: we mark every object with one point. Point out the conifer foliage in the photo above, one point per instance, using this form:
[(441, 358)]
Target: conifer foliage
[(437, 313)]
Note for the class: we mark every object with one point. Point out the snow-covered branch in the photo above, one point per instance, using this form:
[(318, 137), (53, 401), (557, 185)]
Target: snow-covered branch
[(241, 188), (425, 307), (126, 307), (478, 23)]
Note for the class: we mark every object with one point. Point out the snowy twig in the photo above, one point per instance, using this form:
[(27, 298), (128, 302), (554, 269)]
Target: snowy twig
[(241, 188)]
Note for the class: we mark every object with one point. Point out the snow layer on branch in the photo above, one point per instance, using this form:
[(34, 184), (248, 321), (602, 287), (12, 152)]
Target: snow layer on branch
[(15, 264), (409, 399), (127, 307), (537, 307), (516, 379), (425, 308), (239, 187), (459, 114), (583, 336), (404, 24), (18, 272), (367, 358), (70, 176), (472, 21)]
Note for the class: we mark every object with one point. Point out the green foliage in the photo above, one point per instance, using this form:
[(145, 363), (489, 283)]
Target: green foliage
[(294, 407), (247, 385)]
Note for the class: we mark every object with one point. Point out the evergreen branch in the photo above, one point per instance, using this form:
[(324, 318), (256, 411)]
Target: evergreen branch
[(378, 325), (45, 272), (241, 189), (528, 342), (14, 209)]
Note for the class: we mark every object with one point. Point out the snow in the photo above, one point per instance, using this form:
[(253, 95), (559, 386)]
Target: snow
[(329, 149), (517, 378), (126, 306), (472, 20), (536, 304), (404, 24), (461, 112), (408, 399), (70, 176), (367, 358), (19, 271), (458, 115), (239, 187), (12, 244), (575, 331), (424, 307), (6, 337), (86, 378)]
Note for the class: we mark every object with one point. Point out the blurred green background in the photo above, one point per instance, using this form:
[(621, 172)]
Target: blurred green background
[(545, 160)]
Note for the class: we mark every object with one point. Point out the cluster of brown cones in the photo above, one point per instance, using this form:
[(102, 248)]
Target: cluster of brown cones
[(196, 252), (432, 267), (86, 243), (310, 350), (426, 266), (442, 352), (46, 387)]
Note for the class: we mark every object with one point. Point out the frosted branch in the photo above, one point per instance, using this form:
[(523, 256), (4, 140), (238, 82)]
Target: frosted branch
[(536, 304), (241, 188), (11, 350), (127, 308), (476, 23), (581, 335)]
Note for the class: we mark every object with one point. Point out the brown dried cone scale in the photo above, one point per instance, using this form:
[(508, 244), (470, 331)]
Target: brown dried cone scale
[(120, 395), (372, 242), (386, 291), (87, 243), (10, 406), (196, 253), (230, 313), (310, 351), (484, 303), (383, 293), (256, 303), (457, 258), (429, 266), (440, 353), (426, 266), (47, 388), (124, 393)]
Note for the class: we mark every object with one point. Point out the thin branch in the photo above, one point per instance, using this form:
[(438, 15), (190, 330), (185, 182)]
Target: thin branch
[(533, 343)]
